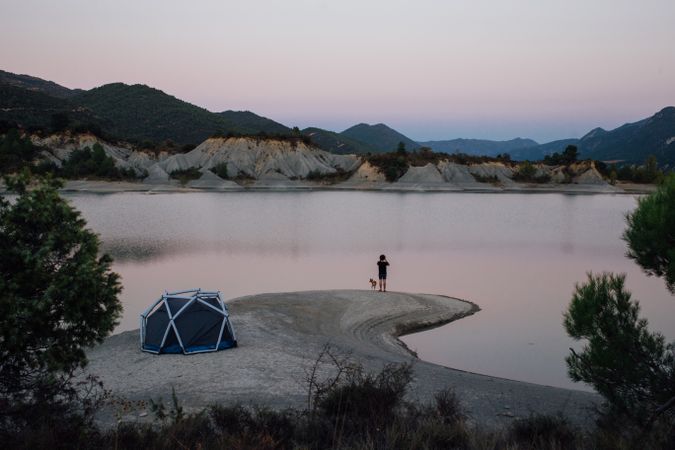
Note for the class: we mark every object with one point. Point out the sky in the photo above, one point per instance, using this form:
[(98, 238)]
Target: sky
[(432, 69)]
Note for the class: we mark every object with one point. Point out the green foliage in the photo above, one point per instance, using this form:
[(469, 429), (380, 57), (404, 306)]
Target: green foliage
[(400, 148), (186, 175), (649, 172), (651, 233), (220, 169), (568, 156), (94, 163), (328, 177), (174, 414), (540, 432), (392, 165), (492, 179), (57, 296), (363, 398), (379, 137), (140, 113), (633, 369), (16, 152), (527, 173)]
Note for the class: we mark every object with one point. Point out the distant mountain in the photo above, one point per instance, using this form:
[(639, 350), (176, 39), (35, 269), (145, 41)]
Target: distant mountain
[(537, 152), (135, 113), (337, 143), (479, 147), (37, 84), (380, 137), (254, 122), (630, 143), (634, 142)]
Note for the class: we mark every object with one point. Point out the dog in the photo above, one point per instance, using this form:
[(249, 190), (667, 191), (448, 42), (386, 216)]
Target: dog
[(373, 284)]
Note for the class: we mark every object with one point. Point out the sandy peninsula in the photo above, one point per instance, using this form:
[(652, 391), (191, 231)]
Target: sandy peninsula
[(280, 336)]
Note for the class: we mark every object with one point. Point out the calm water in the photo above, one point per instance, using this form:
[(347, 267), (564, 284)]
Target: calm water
[(518, 256)]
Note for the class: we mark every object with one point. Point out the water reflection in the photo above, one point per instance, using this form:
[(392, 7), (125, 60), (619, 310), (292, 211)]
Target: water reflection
[(517, 256)]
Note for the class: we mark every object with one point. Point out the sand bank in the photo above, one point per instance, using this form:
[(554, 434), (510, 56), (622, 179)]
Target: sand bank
[(280, 336)]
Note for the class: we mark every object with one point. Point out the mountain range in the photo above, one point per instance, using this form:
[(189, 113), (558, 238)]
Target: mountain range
[(139, 113)]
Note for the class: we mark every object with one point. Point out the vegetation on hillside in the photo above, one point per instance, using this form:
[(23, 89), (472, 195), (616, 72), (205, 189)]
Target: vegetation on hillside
[(37, 112), (337, 143), (380, 137), (93, 163), (184, 176), (18, 152)]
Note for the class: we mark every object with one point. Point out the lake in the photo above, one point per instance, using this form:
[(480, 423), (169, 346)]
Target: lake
[(518, 256)]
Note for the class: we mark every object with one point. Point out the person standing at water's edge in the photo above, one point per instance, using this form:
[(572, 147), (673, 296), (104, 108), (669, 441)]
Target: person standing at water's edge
[(382, 270)]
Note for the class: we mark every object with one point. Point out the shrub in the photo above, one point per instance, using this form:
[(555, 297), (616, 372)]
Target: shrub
[(528, 173), (329, 177), (94, 163), (220, 169), (366, 399), (186, 175), (492, 179), (540, 432)]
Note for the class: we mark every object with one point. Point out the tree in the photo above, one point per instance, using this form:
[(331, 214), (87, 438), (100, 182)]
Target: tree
[(570, 154), (57, 295), (633, 369), (400, 149), (651, 233)]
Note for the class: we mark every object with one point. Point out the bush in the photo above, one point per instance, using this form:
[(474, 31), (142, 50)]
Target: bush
[(365, 399), (392, 165), (186, 175), (527, 173), (540, 432), (220, 169), (492, 179), (565, 159), (94, 163), (329, 177)]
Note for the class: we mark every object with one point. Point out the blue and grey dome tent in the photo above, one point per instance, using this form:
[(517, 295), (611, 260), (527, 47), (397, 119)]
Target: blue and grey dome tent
[(192, 321)]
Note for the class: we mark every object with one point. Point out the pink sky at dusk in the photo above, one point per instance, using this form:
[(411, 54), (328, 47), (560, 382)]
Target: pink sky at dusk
[(432, 69)]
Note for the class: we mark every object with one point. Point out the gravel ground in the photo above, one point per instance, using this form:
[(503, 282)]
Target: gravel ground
[(280, 337)]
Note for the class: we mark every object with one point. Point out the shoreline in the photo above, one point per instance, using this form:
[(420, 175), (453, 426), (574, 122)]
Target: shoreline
[(280, 335), (111, 187)]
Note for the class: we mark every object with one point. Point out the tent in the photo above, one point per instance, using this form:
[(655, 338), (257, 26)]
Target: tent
[(192, 321)]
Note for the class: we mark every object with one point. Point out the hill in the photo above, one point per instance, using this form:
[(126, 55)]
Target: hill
[(35, 110), (630, 143), (380, 137), (634, 142), (135, 113), (141, 113), (37, 84), (254, 122), (537, 152), (479, 147), (337, 143)]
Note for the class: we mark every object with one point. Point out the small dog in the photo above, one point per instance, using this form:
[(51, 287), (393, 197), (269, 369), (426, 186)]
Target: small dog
[(373, 284)]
